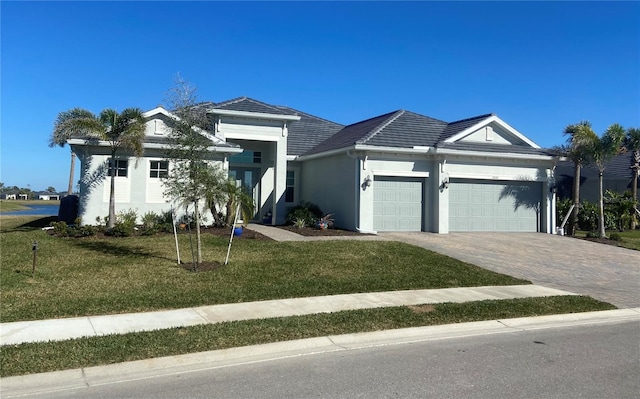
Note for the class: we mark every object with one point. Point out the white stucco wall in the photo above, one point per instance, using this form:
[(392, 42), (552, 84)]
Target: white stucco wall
[(137, 191), (330, 182)]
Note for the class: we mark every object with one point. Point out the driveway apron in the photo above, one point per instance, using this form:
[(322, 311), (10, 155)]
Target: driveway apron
[(604, 272)]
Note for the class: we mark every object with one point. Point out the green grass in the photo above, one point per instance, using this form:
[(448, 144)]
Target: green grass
[(103, 276), (85, 352), (630, 238)]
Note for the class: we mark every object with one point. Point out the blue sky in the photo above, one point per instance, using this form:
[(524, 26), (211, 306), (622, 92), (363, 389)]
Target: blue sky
[(539, 66)]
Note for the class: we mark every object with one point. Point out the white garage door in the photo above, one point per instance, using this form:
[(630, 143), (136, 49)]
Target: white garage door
[(491, 206), (397, 204)]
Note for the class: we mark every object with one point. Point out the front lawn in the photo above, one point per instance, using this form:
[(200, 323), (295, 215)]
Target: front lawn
[(89, 276), (629, 239)]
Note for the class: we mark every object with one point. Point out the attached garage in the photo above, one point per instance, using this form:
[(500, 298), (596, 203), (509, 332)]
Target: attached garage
[(398, 203), (476, 205)]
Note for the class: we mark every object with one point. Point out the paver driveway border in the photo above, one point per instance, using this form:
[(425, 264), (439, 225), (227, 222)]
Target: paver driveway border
[(604, 272)]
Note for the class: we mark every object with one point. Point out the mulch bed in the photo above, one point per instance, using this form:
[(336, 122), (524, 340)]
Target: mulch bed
[(311, 232), (247, 234)]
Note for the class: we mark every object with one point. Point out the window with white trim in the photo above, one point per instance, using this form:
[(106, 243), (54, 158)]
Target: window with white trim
[(121, 167), (289, 194), (158, 169), (247, 157)]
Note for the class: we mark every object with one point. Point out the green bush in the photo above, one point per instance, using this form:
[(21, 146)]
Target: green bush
[(125, 224), (592, 234), (85, 230), (306, 212), (615, 237), (60, 229)]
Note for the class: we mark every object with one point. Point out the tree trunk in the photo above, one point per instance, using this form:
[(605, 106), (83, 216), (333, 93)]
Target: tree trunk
[(112, 190), (198, 240), (576, 198), (71, 171), (601, 231), (634, 196)]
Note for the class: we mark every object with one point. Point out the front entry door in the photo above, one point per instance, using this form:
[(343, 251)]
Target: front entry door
[(250, 181)]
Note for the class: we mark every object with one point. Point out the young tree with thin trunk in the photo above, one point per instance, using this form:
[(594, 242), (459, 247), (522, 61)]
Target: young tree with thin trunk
[(191, 174), (124, 132)]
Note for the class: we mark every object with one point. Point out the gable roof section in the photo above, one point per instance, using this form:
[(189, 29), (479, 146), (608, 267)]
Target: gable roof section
[(246, 104), (352, 134), (456, 127), (402, 129), (482, 121), (308, 132)]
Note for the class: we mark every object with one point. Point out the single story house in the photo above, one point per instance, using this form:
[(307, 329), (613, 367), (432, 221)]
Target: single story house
[(8, 196), (47, 196), (400, 171)]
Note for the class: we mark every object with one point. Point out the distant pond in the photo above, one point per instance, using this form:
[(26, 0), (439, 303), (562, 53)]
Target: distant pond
[(36, 209)]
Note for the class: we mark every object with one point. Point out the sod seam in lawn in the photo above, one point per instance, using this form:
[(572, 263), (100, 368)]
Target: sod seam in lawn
[(41, 357), (92, 276)]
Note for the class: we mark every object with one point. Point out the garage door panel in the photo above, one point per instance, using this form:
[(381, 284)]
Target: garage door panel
[(397, 204), (476, 205)]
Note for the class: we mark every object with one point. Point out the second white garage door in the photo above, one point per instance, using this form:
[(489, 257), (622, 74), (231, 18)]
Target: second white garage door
[(476, 205), (398, 204)]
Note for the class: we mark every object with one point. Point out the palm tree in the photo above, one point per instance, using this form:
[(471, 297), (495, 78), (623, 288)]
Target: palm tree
[(66, 127), (577, 150), (632, 143), (602, 149), (122, 131)]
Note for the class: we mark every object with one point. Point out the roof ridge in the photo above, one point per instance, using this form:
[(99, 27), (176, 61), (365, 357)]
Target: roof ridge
[(473, 117), (262, 103), (425, 116), (309, 115), (383, 125), (232, 101)]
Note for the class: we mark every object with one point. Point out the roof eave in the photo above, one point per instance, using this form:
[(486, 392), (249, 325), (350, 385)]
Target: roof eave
[(152, 146), (497, 155), (254, 115)]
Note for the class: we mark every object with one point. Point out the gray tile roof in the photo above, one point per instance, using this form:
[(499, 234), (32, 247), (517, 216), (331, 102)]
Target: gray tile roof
[(247, 104), (618, 167), (402, 129), (456, 127), (308, 132)]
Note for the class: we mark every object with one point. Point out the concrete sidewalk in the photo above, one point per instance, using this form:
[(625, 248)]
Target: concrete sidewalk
[(62, 329), (78, 379)]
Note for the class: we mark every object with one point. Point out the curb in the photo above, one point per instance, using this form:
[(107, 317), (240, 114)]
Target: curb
[(58, 381)]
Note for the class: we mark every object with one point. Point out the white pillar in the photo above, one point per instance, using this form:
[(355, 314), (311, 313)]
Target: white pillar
[(279, 181)]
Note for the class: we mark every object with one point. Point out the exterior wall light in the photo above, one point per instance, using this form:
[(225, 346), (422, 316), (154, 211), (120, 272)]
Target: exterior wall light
[(445, 182), (367, 181)]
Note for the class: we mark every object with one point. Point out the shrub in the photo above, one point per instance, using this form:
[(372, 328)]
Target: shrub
[(125, 224), (306, 211), (300, 223), (85, 230), (615, 237), (592, 234), (60, 229)]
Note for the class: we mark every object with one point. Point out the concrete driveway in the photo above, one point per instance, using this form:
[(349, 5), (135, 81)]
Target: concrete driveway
[(601, 271)]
